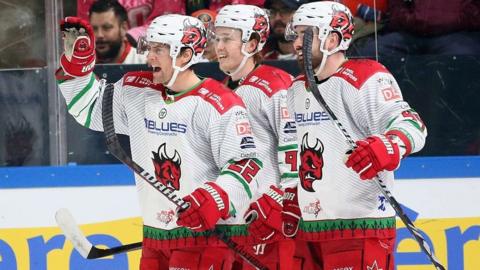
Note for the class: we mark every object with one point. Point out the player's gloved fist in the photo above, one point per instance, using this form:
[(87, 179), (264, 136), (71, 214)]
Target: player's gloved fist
[(291, 213), (373, 155), (265, 214), (78, 58), (207, 205)]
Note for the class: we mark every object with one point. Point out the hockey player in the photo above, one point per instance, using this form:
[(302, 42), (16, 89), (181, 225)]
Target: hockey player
[(193, 133), (240, 34), (346, 222)]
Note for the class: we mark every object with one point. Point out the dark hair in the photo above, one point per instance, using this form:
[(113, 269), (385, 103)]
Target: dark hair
[(101, 6)]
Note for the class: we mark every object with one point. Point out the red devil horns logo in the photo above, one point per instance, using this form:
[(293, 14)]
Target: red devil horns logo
[(167, 169), (261, 27), (342, 22), (311, 163), (194, 36)]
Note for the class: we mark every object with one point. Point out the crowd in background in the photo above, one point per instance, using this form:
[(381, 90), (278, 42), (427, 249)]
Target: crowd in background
[(383, 28), (402, 27)]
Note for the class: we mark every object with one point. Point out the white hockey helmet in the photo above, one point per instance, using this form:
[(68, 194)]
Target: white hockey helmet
[(178, 31), (247, 18), (327, 17)]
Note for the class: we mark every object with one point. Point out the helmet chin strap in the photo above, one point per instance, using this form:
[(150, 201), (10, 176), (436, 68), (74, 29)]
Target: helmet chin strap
[(176, 71), (325, 55), (246, 55)]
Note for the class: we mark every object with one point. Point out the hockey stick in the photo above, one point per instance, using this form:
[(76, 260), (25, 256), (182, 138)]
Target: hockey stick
[(72, 232), (307, 58), (114, 146)]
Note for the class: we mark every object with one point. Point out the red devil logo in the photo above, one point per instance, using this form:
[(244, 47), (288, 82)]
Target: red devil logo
[(167, 169), (342, 22), (261, 26), (311, 163), (194, 36)]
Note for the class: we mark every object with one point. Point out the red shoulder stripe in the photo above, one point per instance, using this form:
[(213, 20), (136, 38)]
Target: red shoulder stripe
[(358, 71), (218, 95), (141, 79), (268, 79)]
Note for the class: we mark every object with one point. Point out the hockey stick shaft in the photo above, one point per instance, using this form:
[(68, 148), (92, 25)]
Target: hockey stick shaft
[(307, 58), (72, 232), (116, 149)]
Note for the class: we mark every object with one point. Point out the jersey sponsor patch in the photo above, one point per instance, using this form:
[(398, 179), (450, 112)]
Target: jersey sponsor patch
[(391, 93), (310, 118), (284, 112), (381, 202), (166, 216), (312, 208), (164, 128), (289, 127), (247, 142), (243, 128)]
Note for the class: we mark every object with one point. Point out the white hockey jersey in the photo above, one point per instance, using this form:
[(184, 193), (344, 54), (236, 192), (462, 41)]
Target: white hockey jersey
[(201, 134), (264, 92), (334, 201)]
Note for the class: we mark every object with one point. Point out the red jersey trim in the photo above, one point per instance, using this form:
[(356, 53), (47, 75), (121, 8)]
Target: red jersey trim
[(210, 90), (125, 53), (215, 93), (141, 79), (404, 139), (270, 80), (218, 95), (358, 71)]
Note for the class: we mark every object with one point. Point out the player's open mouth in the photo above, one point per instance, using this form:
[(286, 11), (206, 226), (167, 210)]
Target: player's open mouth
[(156, 69)]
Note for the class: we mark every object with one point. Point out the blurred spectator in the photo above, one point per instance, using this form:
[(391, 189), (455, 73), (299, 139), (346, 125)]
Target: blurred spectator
[(216, 5), (109, 22), (140, 13), (207, 16), (427, 27), (366, 13), (281, 12)]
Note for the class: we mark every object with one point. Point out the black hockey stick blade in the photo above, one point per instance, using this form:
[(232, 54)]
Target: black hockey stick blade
[(312, 84), (114, 146), (72, 232)]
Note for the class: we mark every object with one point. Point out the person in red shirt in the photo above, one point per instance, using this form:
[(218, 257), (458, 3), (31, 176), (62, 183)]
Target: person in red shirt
[(445, 27), (139, 13), (109, 22)]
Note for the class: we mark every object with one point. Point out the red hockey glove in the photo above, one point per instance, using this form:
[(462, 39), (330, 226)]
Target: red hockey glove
[(291, 213), (266, 213), (78, 58), (373, 155), (207, 205)]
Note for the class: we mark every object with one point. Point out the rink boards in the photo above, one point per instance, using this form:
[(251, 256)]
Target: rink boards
[(442, 195)]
